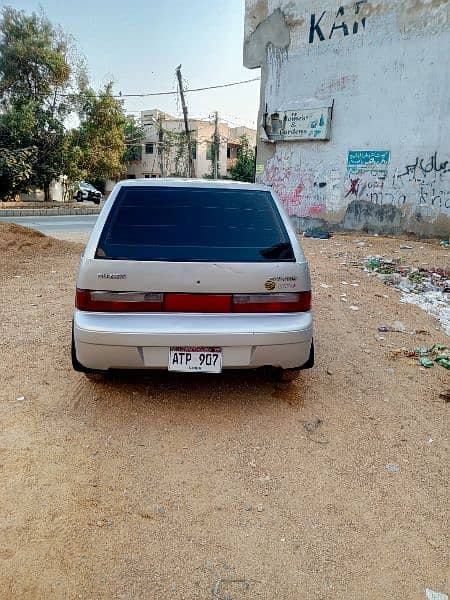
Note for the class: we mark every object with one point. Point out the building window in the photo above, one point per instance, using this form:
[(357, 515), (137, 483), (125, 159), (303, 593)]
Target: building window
[(146, 176), (228, 152), (194, 150), (131, 176), (148, 148)]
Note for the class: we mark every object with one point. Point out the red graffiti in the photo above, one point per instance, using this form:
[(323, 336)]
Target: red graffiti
[(295, 188), (354, 185)]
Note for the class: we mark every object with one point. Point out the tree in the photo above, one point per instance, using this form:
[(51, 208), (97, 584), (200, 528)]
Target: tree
[(134, 136), (35, 76), (244, 167), (42, 82), (33, 56), (16, 167), (98, 146)]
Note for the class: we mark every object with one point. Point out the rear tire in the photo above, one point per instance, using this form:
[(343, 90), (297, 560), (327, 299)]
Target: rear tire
[(79, 197), (95, 376)]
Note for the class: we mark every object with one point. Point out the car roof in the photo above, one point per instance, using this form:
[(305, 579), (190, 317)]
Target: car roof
[(194, 183)]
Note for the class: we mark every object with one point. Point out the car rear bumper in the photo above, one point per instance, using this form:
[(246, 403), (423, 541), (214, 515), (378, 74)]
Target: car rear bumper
[(142, 341)]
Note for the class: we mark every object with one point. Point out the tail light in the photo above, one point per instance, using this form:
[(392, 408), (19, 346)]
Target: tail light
[(107, 301), (272, 303), (102, 301)]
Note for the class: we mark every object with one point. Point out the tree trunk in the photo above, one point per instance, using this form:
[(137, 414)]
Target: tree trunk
[(47, 192)]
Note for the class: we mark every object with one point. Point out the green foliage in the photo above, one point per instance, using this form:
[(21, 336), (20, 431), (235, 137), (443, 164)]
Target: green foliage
[(97, 149), (33, 56), (244, 167), (34, 71), (134, 136), (16, 167), (173, 153)]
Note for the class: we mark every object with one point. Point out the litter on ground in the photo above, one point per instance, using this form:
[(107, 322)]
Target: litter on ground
[(429, 289), (432, 595), (317, 232), (427, 357)]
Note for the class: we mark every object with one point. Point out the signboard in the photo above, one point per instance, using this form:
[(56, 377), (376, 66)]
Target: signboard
[(302, 124), (367, 160)]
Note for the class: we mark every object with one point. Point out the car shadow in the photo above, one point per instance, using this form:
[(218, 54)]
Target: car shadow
[(207, 394)]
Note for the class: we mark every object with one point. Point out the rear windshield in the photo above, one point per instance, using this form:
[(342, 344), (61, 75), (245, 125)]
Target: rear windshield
[(194, 224)]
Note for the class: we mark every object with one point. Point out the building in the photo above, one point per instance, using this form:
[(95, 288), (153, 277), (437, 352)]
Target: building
[(164, 150), (354, 118)]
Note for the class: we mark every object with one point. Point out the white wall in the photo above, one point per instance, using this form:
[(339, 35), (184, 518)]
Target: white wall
[(390, 85)]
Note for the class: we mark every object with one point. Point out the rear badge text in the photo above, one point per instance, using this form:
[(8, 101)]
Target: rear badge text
[(111, 275), (280, 283)]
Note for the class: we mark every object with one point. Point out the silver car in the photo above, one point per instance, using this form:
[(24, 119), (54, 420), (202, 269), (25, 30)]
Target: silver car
[(193, 276)]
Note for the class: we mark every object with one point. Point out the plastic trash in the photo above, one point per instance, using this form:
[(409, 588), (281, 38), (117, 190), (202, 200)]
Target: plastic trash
[(432, 595), (393, 468), (399, 327), (426, 362), (317, 232)]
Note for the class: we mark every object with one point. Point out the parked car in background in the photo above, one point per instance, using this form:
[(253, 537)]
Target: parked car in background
[(86, 191), (193, 276)]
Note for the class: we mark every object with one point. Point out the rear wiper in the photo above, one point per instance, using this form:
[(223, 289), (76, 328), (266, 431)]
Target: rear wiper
[(281, 251)]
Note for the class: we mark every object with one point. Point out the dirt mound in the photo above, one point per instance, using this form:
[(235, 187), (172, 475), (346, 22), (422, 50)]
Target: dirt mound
[(18, 245)]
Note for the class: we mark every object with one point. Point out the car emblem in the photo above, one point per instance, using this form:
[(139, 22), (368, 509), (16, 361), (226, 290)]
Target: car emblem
[(270, 285), (111, 275)]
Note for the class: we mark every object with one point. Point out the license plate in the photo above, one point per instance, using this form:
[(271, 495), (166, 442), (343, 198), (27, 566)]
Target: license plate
[(190, 360)]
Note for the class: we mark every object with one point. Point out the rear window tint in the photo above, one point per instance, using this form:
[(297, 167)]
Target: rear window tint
[(194, 224)]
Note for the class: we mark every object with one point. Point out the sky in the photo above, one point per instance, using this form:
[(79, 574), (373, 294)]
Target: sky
[(139, 43)]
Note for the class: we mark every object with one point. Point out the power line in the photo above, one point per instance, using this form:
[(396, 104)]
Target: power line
[(171, 93), (201, 89)]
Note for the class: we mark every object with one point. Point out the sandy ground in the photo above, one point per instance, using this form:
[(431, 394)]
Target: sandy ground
[(230, 486)]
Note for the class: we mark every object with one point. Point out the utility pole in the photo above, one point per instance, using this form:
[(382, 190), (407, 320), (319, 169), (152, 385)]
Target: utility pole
[(160, 149), (186, 123), (216, 146)]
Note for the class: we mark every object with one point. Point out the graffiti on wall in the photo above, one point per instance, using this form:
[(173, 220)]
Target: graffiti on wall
[(302, 189), (366, 172), (347, 21), (420, 188), (422, 168), (421, 185)]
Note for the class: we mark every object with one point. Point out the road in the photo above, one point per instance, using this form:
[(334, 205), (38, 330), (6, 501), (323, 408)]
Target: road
[(67, 227), (166, 487)]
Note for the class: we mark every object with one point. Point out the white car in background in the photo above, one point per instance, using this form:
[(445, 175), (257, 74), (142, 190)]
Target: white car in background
[(193, 276), (86, 191)]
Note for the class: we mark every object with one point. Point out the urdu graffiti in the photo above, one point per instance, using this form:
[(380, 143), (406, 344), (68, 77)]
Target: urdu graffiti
[(419, 170), (421, 185)]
